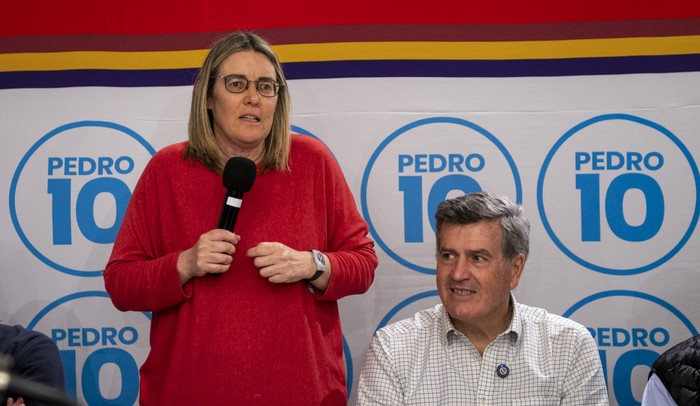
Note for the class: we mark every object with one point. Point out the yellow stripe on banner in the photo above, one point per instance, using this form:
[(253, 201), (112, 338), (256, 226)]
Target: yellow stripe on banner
[(348, 51), (48, 61), (561, 49)]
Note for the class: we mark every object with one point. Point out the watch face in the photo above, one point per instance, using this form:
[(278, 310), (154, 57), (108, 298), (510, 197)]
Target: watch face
[(320, 262), (320, 258)]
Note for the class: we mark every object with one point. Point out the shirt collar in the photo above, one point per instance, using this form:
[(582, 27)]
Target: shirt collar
[(514, 330)]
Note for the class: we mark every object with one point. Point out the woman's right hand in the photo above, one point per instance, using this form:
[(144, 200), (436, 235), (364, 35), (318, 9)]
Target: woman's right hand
[(212, 253)]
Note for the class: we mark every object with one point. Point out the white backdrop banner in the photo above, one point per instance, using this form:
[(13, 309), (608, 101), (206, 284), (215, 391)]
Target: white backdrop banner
[(605, 167)]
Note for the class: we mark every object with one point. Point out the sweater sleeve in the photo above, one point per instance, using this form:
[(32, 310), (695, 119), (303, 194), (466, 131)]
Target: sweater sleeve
[(138, 277), (350, 250)]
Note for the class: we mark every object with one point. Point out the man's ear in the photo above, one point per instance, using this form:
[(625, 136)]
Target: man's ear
[(516, 268)]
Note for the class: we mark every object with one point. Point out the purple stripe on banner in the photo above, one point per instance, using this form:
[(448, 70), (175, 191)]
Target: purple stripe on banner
[(355, 69), (501, 68)]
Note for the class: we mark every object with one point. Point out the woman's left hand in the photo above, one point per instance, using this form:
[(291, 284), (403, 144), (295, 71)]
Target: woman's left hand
[(281, 264)]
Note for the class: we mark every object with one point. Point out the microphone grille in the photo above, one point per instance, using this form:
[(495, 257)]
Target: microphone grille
[(239, 174)]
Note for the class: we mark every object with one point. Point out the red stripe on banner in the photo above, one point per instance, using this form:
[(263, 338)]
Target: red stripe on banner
[(48, 17), (354, 33), (109, 42), (484, 32)]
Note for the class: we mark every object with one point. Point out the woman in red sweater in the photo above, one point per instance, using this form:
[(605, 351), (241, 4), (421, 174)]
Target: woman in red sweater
[(244, 318)]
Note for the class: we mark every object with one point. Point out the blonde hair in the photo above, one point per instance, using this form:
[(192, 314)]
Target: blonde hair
[(202, 144)]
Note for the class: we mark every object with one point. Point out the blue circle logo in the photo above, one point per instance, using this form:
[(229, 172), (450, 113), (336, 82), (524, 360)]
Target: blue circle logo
[(70, 191), (101, 354), (628, 348), (619, 194)]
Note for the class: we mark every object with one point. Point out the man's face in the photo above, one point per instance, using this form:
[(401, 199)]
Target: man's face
[(474, 279)]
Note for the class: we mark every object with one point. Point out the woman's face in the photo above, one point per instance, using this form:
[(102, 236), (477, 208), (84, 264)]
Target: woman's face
[(242, 121)]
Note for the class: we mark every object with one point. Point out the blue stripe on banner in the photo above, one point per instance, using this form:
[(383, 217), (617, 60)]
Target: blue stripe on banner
[(491, 68), (112, 78), (355, 69)]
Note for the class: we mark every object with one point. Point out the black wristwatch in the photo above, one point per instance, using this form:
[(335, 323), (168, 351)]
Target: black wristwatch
[(320, 261)]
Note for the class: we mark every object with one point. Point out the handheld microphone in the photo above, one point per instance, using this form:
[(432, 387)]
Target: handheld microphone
[(239, 175)]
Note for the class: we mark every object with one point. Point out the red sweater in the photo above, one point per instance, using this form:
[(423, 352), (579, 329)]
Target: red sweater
[(237, 339)]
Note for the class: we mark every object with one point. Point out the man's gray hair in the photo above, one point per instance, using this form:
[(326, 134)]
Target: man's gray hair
[(483, 206)]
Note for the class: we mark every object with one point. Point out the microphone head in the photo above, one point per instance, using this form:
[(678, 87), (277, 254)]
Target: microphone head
[(239, 174)]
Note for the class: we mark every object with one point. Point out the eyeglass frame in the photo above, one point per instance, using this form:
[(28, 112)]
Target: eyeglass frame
[(277, 85)]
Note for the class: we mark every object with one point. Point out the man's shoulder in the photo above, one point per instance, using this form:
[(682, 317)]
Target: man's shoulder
[(18, 340), (8, 334), (537, 316), (423, 322)]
